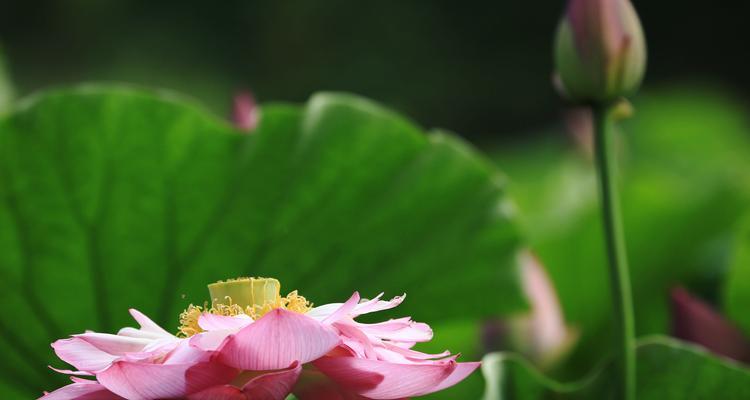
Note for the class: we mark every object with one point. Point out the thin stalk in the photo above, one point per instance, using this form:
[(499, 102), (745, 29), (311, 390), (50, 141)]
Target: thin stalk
[(619, 275)]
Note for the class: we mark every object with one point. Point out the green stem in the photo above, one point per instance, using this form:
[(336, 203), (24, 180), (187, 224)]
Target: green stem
[(622, 299)]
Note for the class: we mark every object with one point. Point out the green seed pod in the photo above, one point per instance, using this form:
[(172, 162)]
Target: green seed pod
[(600, 50)]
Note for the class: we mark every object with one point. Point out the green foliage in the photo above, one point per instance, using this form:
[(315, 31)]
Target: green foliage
[(114, 198), (685, 180), (667, 369), (737, 291)]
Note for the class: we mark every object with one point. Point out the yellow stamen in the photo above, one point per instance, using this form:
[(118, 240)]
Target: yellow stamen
[(295, 302), (189, 321), (253, 297)]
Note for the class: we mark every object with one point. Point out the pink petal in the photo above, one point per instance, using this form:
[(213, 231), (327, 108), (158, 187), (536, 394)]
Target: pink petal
[(354, 346), (76, 379), (212, 322), (269, 386), (161, 346), (275, 385), (82, 354), (114, 344), (211, 340), (359, 340), (462, 370), (401, 330), (70, 372), (139, 333), (147, 324), (322, 312), (226, 392), (398, 380), (344, 310), (384, 354), (315, 385), (185, 353), (326, 311), (376, 304), (413, 354), (276, 340), (141, 381), (405, 345), (82, 390)]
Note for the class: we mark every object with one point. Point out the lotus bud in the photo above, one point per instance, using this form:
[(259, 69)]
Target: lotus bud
[(541, 333), (600, 51), (693, 320), (245, 112)]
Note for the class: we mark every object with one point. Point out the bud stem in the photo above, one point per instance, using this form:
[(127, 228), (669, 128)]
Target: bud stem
[(619, 275)]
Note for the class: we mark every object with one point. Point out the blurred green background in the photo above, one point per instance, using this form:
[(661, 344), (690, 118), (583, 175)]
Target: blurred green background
[(480, 69)]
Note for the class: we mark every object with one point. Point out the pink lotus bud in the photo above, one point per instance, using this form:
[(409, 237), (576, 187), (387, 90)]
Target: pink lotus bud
[(540, 334), (695, 321), (245, 113), (600, 50)]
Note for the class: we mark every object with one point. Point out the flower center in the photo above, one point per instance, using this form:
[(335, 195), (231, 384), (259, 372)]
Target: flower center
[(253, 297), (246, 292)]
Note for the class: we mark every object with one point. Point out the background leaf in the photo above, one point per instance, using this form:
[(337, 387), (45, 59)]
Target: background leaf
[(667, 369), (118, 198), (685, 182), (737, 291)]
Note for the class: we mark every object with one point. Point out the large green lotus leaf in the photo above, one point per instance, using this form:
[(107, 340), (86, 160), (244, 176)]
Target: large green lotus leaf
[(685, 180), (115, 198), (737, 289), (667, 369)]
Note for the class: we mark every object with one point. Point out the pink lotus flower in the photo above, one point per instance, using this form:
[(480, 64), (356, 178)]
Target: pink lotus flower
[(254, 344)]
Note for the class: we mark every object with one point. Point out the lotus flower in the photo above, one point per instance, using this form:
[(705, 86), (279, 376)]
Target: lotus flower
[(251, 343)]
